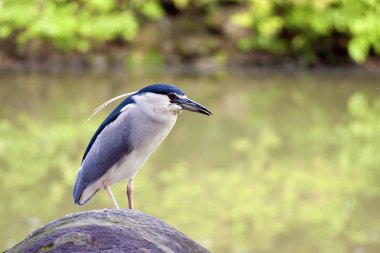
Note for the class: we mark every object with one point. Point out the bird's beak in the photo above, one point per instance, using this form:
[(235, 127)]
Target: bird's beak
[(190, 105)]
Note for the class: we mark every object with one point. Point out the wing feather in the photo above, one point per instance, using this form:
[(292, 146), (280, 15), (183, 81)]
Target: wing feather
[(113, 116), (109, 144)]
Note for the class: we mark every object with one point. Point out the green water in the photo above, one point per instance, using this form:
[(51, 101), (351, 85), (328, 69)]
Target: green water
[(288, 163)]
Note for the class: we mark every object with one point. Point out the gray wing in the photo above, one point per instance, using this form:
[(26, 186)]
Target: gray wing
[(110, 146)]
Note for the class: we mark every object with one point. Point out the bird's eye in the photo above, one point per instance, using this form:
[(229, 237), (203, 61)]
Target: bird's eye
[(171, 96)]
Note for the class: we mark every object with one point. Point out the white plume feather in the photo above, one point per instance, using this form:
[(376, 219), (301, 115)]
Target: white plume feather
[(109, 102)]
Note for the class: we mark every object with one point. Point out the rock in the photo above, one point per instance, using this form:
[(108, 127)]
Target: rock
[(107, 230)]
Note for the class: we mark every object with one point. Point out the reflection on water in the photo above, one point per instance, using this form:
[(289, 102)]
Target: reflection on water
[(288, 163)]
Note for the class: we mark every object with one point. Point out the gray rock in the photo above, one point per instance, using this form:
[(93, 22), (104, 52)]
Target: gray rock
[(107, 230)]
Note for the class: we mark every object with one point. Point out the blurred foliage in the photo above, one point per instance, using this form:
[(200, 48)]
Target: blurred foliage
[(284, 168), (307, 30), (299, 27), (74, 24)]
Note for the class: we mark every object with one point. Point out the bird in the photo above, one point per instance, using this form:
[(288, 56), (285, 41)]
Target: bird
[(127, 137)]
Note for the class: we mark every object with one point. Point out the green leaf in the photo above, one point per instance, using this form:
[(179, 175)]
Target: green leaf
[(358, 48)]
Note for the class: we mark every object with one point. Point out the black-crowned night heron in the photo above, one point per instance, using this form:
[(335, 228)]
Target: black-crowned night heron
[(127, 137)]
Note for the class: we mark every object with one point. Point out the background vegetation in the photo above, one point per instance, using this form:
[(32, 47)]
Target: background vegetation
[(205, 32)]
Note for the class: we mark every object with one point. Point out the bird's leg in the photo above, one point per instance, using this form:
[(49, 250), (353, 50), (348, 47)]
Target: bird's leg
[(108, 190), (129, 193)]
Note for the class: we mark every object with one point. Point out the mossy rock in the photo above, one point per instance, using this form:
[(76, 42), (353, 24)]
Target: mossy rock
[(108, 230)]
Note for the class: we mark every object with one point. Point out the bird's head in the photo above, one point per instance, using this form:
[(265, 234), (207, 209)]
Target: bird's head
[(157, 97), (171, 96)]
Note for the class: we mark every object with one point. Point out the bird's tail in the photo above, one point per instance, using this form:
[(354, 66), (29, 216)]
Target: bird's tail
[(78, 188)]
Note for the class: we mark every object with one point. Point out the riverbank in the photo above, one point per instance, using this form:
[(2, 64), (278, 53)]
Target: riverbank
[(103, 63)]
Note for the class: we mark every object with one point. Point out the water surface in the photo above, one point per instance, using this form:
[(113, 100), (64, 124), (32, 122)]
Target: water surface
[(288, 163)]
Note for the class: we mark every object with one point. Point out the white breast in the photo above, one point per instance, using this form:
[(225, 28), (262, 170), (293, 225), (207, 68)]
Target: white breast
[(153, 122)]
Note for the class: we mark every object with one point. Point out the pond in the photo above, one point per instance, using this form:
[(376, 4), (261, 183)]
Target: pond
[(288, 163)]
